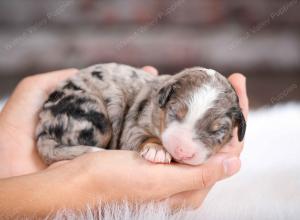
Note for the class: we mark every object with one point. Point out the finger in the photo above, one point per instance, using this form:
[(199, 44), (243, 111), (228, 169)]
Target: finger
[(45, 82), (60, 74), (218, 167), (238, 82), (29, 95), (200, 177), (189, 199), (150, 69), (58, 164), (50, 80)]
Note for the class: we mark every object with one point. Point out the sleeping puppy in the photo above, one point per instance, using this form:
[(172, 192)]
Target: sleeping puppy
[(185, 117)]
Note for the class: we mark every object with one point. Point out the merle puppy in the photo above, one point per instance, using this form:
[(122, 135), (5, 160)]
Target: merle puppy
[(186, 117)]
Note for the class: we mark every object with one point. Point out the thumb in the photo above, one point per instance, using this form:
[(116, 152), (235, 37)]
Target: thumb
[(216, 168), (238, 82)]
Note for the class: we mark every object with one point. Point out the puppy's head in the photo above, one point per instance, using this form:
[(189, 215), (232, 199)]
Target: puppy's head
[(200, 110)]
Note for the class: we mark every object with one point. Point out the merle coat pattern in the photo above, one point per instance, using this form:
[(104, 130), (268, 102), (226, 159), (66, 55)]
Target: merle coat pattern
[(108, 106)]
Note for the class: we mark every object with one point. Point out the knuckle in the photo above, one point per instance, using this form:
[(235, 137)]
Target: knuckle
[(195, 204), (72, 69), (26, 80), (175, 205), (206, 178), (202, 179), (197, 181)]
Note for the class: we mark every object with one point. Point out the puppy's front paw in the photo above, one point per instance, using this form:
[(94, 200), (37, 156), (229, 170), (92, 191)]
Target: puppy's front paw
[(155, 153)]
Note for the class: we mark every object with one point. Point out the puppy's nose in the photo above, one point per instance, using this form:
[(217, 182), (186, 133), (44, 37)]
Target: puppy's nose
[(184, 153)]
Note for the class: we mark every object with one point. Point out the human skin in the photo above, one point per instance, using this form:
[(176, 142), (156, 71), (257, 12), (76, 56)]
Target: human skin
[(86, 180)]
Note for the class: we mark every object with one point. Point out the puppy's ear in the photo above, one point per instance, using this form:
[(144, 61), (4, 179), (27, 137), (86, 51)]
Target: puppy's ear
[(239, 118), (165, 94), (240, 122)]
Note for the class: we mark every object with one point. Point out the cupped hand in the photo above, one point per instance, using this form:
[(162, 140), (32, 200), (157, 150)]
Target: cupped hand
[(18, 120), (130, 177)]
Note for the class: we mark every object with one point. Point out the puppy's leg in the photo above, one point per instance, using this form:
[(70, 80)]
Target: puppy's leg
[(154, 152), (116, 108), (52, 152)]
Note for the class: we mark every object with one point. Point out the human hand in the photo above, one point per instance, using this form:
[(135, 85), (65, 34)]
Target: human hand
[(20, 116), (116, 176), (18, 120)]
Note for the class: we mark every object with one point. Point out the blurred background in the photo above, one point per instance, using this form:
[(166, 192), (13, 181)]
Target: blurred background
[(260, 39)]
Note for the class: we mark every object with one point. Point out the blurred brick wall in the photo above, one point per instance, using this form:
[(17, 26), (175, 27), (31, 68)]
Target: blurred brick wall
[(258, 38)]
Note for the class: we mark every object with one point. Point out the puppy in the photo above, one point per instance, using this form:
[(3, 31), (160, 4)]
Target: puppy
[(185, 117)]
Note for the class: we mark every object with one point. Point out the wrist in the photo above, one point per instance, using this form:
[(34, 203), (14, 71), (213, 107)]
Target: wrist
[(76, 184), (62, 187)]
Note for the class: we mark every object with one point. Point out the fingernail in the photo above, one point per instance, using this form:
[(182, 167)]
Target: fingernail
[(151, 70), (231, 165)]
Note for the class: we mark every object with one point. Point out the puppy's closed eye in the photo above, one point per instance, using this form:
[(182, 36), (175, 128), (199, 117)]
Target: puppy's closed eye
[(178, 110), (217, 127), (181, 112)]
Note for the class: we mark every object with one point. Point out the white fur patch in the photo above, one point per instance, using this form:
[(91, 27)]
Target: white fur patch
[(177, 135), (199, 103), (209, 72), (96, 149)]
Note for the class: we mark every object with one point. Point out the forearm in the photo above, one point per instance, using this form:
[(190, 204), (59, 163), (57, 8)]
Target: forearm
[(39, 194)]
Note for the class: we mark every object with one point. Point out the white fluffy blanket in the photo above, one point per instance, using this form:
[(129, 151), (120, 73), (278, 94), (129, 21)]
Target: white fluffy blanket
[(267, 187)]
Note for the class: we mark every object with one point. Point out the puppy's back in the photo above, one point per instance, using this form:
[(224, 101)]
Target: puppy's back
[(85, 112)]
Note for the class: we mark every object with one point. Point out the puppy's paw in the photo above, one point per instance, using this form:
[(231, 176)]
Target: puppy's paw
[(155, 153)]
